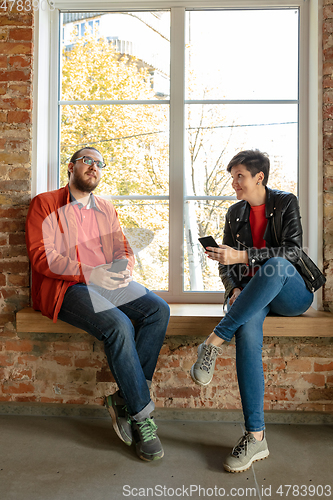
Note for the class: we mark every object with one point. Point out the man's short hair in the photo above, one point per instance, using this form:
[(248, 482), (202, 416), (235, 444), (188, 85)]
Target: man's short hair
[(77, 154), (254, 160)]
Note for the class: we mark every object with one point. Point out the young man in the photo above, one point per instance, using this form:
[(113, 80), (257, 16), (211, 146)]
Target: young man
[(72, 239)]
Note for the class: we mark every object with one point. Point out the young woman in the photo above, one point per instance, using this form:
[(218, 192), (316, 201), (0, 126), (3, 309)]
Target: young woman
[(262, 239)]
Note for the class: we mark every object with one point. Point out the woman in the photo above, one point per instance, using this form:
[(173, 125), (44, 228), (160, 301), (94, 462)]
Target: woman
[(262, 239)]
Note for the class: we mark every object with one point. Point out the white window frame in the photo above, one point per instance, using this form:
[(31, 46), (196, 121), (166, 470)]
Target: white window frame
[(45, 115)]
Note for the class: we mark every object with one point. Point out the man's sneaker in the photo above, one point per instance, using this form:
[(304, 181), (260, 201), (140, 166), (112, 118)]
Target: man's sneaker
[(203, 369), (148, 445), (246, 451), (121, 420)]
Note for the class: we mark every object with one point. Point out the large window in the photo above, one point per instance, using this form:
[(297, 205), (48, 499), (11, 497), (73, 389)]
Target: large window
[(169, 95)]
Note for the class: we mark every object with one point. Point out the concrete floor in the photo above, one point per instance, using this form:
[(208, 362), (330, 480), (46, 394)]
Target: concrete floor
[(77, 458)]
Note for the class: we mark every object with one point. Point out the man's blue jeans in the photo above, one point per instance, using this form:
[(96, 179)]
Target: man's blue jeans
[(278, 288), (131, 349)]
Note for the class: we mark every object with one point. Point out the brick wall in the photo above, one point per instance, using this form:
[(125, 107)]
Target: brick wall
[(16, 33), (328, 149), (73, 369), (60, 368)]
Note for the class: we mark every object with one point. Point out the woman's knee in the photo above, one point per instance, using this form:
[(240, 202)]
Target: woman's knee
[(278, 267)]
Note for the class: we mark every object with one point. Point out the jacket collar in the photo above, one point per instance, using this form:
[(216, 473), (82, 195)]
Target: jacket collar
[(245, 207)]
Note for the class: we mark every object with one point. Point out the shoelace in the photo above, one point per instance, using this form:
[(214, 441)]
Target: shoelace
[(211, 351), (127, 415), (242, 445), (148, 429)]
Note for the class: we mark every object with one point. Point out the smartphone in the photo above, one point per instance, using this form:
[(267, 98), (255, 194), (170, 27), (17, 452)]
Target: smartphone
[(208, 241), (117, 266)]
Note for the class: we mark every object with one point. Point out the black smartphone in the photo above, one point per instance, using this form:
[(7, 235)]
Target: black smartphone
[(117, 266), (208, 241)]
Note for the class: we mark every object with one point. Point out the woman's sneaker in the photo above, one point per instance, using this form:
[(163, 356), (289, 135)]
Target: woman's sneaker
[(246, 451), (203, 369), (121, 419), (148, 445)]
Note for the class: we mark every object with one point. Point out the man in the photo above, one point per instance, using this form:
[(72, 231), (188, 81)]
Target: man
[(72, 239)]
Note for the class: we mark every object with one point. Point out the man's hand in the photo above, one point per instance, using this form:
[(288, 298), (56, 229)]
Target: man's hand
[(227, 255), (101, 277), (235, 293)]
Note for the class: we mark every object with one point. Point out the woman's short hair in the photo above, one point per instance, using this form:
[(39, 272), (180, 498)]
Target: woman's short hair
[(254, 160)]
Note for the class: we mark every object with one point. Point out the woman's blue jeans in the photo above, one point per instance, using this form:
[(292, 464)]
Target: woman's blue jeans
[(131, 349), (277, 287)]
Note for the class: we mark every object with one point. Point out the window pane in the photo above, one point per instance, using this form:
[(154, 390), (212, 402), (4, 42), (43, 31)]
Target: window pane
[(146, 226), (242, 54), (216, 133), (133, 139), (116, 56), (202, 217)]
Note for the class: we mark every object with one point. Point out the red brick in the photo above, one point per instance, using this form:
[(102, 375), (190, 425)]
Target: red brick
[(19, 89), (14, 267), (16, 18), (21, 374), (44, 399), (104, 375), (3, 89), (26, 399), (6, 360), (17, 239), (330, 379), (320, 394), (299, 365), (3, 117), (20, 173), (323, 367), (3, 62), (12, 48), (18, 117), (178, 392), (26, 358), (224, 362), (77, 401), (17, 280), (21, 34), (3, 143), (165, 363), (11, 225), (2, 280), (19, 345), (88, 363), (6, 318), (17, 388), (15, 75), (12, 158), (18, 62), (314, 379), (63, 360)]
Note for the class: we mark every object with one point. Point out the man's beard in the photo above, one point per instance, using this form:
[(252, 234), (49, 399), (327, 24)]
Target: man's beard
[(81, 185)]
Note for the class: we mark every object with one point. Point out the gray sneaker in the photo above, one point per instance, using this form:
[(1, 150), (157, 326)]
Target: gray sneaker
[(121, 420), (246, 451), (148, 445), (203, 369)]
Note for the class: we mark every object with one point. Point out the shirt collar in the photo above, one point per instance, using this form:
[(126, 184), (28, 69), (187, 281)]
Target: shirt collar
[(91, 203)]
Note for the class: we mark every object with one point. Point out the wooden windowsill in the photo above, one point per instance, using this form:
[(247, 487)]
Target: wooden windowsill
[(196, 320)]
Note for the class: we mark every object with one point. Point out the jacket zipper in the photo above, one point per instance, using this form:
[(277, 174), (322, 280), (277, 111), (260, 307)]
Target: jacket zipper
[(277, 241), (308, 270)]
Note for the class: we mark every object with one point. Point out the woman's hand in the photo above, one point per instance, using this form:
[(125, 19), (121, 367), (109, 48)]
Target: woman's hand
[(235, 293), (227, 255), (101, 277)]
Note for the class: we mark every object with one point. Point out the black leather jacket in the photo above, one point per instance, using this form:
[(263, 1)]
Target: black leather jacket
[(283, 235)]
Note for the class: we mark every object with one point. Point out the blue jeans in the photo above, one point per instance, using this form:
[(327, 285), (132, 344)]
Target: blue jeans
[(277, 287), (131, 349)]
